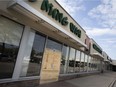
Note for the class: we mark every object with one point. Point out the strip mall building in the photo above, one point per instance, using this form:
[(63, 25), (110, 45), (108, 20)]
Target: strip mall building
[(41, 42)]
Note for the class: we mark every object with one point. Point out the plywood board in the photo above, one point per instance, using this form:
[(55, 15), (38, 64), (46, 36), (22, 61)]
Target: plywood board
[(50, 66)]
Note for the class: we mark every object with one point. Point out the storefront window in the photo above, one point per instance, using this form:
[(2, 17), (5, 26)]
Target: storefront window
[(71, 61), (95, 63), (92, 64), (77, 61), (89, 63), (86, 63), (31, 65), (99, 64), (64, 59), (54, 45), (10, 36), (82, 61)]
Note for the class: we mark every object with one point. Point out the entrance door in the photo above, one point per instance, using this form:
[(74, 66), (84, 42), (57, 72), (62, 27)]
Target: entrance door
[(51, 66)]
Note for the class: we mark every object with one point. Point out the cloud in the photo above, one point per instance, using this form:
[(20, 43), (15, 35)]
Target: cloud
[(108, 44), (105, 13), (72, 6), (93, 32), (115, 46), (112, 41), (109, 40)]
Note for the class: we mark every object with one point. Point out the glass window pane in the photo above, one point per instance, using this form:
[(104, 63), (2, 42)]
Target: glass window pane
[(71, 60), (10, 36), (86, 63), (36, 56), (95, 63), (89, 63), (82, 61), (31, 65), (53, 45), (99, 63), (64, 59), (92, 63), (77, 61)]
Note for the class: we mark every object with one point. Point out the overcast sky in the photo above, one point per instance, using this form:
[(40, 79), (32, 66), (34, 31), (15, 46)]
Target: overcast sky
[(98, 18)]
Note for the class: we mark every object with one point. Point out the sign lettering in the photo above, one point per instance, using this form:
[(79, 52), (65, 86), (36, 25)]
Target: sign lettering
[(97, 49), (48, 7), (58, 16)]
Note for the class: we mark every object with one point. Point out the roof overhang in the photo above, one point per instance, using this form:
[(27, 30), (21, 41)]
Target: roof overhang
[(24, 8), (97, 55), (106, 60)]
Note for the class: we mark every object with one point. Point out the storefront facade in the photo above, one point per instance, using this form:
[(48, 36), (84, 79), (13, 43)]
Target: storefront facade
[(96, 53), (32, 46), (40, 40), (107, 62)]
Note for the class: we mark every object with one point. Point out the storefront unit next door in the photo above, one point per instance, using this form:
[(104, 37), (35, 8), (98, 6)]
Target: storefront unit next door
[(51, 66)]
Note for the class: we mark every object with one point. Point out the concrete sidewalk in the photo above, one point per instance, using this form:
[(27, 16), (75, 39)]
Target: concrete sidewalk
[(100, 80)]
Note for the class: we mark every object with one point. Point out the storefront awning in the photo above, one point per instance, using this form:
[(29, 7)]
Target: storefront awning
[(24, 8), (97, 55)]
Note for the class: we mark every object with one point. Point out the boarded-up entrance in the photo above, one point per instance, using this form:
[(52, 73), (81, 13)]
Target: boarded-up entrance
[(50, 66)]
